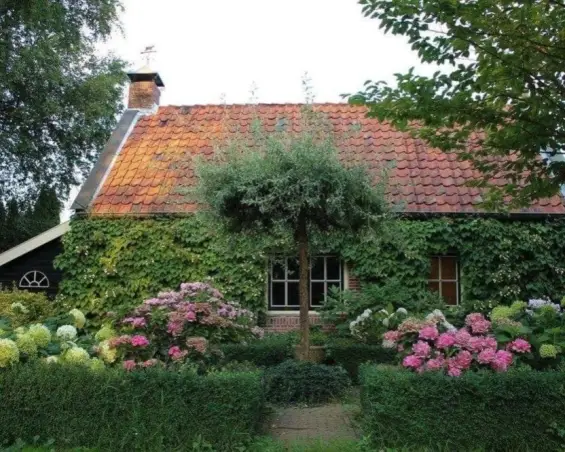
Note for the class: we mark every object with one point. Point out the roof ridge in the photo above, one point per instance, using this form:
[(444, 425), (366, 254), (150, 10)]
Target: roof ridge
[(265, 104)]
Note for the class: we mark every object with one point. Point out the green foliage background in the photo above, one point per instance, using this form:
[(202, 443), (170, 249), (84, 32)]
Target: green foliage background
[(112, 264)]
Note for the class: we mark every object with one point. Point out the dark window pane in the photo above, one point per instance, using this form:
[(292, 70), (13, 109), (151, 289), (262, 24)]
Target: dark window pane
[(292, 268), (317, 271), (293, 297), (448, 268), (435, 268), (278, 269), (317, 293), (277, 294), (433, 286), (333, 268), (449, 292)]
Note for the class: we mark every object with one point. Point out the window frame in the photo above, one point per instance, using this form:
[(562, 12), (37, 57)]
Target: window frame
[(440, 280), (286, 280), (26, 282)]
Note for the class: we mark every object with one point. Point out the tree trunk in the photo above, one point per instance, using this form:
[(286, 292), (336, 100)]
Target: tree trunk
[(304, 272)]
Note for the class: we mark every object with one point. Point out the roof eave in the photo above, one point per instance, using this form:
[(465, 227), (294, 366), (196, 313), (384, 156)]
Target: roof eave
[(34, 243)]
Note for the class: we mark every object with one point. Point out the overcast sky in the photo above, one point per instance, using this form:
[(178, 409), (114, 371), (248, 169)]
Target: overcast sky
[(211, 51)]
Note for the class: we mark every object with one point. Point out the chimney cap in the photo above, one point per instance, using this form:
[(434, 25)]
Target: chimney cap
[(146, 74)]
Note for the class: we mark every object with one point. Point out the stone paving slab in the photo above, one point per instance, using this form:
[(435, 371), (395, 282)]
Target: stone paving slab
[(325, 422)]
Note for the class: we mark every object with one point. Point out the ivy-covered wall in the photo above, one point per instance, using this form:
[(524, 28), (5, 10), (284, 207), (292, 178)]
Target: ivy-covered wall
[(111, 264)]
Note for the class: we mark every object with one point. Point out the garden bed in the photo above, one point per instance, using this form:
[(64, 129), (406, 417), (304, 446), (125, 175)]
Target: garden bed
[(517, 410)]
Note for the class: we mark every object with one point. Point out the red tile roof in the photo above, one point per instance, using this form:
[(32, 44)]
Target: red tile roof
[(156, 163)]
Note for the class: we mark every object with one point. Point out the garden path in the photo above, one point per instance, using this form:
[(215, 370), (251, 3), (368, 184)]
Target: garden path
[(326, 422)]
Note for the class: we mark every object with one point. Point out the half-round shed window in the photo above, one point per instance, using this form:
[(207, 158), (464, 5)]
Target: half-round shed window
[(34, 280)]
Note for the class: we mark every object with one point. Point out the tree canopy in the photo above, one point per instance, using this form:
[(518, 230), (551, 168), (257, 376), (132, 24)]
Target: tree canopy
[(501, 75), (58, 97), (22, 220), (290, 181)]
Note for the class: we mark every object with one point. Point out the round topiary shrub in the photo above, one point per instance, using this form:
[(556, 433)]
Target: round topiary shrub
[(304, 382)]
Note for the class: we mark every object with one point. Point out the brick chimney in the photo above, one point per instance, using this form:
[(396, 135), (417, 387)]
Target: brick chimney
[(144, 89)]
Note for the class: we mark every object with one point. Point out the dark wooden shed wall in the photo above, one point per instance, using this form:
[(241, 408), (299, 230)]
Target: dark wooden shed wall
[(40, 259)]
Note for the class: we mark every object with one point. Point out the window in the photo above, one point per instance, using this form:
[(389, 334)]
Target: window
[(444, 278), (34, 280), (325, 273)]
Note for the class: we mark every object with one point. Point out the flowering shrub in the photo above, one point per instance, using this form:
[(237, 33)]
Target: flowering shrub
[(176, 325), (54, 341), (541, 322), (22, 307), (369, 326), (432, 344)]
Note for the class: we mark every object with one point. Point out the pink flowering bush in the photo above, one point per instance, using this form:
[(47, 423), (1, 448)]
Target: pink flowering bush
[(179, 325), (433, 345)]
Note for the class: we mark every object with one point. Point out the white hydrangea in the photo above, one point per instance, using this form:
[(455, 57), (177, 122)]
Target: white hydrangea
[(402, 311), (67, 333), (19, 308)]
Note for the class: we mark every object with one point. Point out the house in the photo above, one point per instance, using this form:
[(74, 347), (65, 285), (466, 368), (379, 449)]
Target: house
[(148, 163), (29, 265)]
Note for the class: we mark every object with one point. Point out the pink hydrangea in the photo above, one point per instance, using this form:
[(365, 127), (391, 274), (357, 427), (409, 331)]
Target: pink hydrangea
[(476, 344), (445, 340), (121, 340), (149, 363), (200, 344), (190, 316), (421, 349), (175, 328), (136, 322), (502, 360), (490, 342), (520, 346), (176, 353), (474, 318), (454, 371), (462, 337), (481, 327), (486, 356), (129, 365), (435, 363), (393, 336), (462, 360), (429, 332), (412, 361), (139, 341)]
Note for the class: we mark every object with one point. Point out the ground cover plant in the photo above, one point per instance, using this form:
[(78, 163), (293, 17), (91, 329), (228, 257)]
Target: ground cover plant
[(304, 382)]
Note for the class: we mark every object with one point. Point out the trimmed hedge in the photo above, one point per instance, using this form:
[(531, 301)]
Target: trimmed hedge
[(517, 410), (304, 382), (350, 355), (269, 351), (113, 410)]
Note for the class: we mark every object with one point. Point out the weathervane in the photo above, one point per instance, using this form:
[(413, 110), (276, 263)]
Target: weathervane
[(148, 54)]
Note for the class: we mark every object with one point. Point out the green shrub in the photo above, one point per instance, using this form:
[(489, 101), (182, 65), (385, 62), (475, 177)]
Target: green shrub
[(271, 350), (113, 410), (517, 410), (28, 306), (304, 382), (350, 355)]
